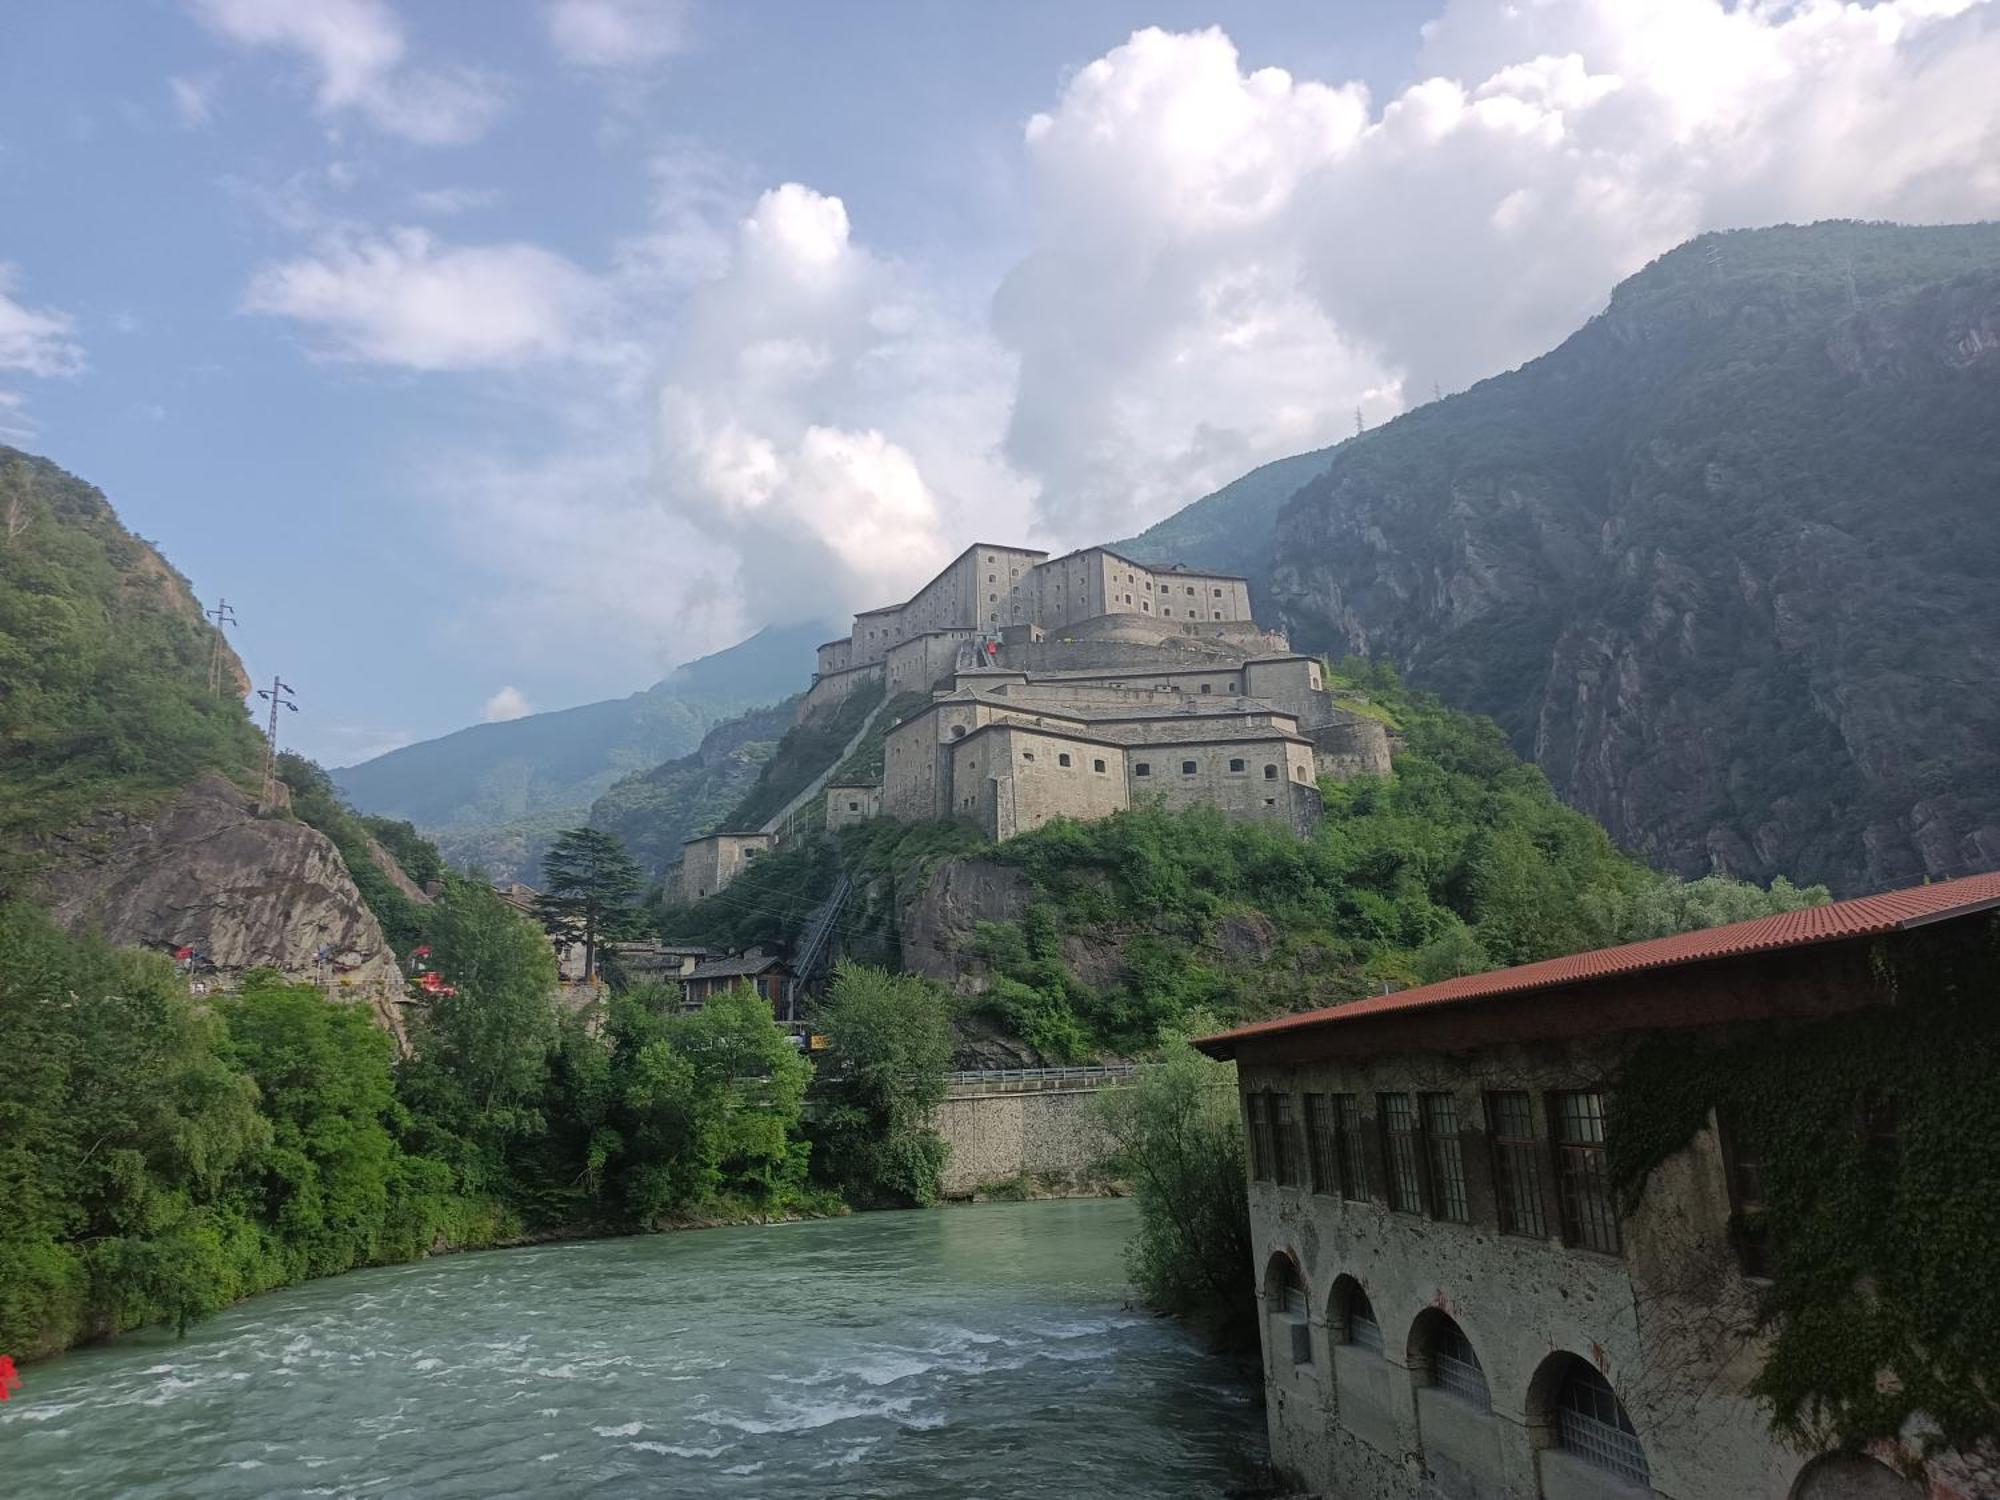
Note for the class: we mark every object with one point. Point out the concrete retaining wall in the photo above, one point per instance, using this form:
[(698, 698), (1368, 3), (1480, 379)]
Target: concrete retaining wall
[(996, 1138)]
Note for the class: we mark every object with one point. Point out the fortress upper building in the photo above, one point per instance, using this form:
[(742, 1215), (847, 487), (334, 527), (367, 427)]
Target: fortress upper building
[(989, 588), (1084, 684)]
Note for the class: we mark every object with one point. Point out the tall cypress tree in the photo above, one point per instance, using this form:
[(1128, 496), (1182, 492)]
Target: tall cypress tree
[(590, 889)]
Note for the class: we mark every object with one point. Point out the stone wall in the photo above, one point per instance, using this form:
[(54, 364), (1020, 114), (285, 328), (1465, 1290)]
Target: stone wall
[(832, 687), (914, 666), (1273, 763), (707, 865), (848, 805), (1053, 1134), (1351, 746), (1669, 1322), (1012, 778)]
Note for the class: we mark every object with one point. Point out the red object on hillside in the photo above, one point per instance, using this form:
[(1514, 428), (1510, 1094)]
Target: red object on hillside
[(10, 1381), (182, 955), (432, 983), (423, 952), (1863, 916)]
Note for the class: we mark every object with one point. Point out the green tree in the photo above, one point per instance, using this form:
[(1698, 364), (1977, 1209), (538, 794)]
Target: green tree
[(480, 1054), (590, 891), (1180, 1137), (890, 1041)]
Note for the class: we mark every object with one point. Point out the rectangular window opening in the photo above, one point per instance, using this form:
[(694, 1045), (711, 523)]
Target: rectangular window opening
[(1401, 1153), (1444, 1154), (1583, 1184), (1517, 1163)]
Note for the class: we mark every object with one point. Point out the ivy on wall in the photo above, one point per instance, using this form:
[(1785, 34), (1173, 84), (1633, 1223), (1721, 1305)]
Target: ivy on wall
[(1879, 1134)]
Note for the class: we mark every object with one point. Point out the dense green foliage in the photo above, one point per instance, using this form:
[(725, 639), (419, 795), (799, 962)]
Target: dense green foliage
[(1880, 1140), (161, 1157), (590, 892), (104, 659), (1180, 1142), (158, 1160), (654, 812), (890, 1040), (808, 748), (1463, 860), (864, 766)]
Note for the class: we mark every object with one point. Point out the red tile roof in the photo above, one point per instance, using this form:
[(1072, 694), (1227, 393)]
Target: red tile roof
[(1864, 916)]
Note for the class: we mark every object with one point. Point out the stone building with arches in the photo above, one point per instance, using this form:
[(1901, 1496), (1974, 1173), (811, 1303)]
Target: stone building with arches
[(1458, 1304)]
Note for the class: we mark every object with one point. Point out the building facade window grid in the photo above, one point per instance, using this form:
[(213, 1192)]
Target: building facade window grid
[(1591, 1423), (1445, 1156), (1584, 1187), (1455, 1368), (1259, 1137), (1284, 1141), (1353, 1150), (1517, 1164), (1320, 1145), (1404, 1160)]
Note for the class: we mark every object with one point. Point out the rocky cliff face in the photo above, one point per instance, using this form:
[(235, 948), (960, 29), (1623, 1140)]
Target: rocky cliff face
[(1726, 563), (204, 871)]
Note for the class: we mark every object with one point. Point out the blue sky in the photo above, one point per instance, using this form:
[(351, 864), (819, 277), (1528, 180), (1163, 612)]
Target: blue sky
[(499, 356)]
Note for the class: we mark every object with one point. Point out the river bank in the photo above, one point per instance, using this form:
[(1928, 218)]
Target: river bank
[(899, 1354)]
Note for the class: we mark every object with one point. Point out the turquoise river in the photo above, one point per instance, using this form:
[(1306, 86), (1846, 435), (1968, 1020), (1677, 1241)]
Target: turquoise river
[(981, 1351)]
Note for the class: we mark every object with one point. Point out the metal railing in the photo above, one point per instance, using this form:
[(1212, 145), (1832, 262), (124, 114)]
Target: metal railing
[(1029, 1080)]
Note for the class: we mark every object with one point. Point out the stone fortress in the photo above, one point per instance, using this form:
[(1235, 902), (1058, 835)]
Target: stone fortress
[(1072, 687), (1080, 685)]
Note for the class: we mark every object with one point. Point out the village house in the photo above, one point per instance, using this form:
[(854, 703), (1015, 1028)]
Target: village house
[(765, 973), (1457, 1300)]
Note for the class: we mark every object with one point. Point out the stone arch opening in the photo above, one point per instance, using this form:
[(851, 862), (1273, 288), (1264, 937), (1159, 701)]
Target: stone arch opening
[(1582, 1426), (1440, 1355), (1350, 1317), (1287, 1305)]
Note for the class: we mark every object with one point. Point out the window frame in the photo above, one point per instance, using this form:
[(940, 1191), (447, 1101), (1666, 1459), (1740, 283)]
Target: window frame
[(1583, 1186), (1444, 1157), (1402, 1152), (1517, 1165)]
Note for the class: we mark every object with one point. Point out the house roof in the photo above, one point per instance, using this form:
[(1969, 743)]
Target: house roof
[(735, 968), (1863, 916), (1155, 567)]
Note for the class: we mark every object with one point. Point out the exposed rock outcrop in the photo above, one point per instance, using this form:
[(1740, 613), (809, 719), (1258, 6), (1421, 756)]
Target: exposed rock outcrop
[(938, 923), (204, 871)]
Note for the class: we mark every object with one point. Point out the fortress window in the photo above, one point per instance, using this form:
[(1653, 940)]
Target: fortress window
[(1218, 593), (1063, 759), (1236, 765), (1517, 1163), (1190, 591), (1146, 605), (1027, 755), (1401, 1154), (1588, 1218), (1445, 1157), (1207, 688), (1128, 598), (1300, 772), (1218, 614), (1270, 773), (958, 731), (992, 598), (991, 578), (1097, 766), (1165, 611), (1188, 767), (1149, 585), (1144, 768), (854, 807)]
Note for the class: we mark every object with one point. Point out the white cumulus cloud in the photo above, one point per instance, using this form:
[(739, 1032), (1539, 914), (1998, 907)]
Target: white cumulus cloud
[(1229, 260), (35, 340), (358, 50), (509, 703), (405, 298), (617, 33)]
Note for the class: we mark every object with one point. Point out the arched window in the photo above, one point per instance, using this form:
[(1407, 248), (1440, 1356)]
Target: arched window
[(1440, 1351), (1352, 1318), (1585, 1419), (1285, 1307), (1270, 773), (958, 731)]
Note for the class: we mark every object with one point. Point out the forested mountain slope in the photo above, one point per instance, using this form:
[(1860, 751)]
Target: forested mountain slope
[(493, 795), (1726, 563)]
